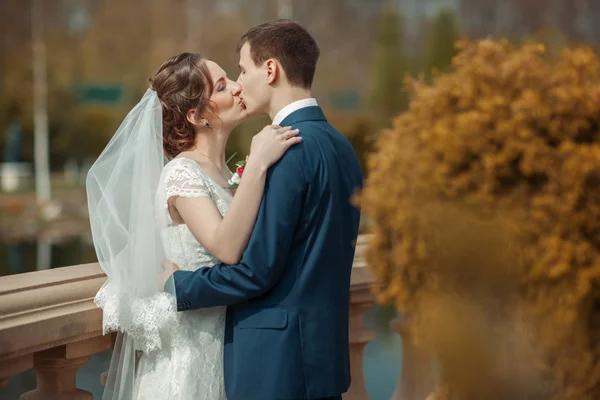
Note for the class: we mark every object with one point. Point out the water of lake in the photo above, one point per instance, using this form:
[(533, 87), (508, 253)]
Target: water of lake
[(381, 358)]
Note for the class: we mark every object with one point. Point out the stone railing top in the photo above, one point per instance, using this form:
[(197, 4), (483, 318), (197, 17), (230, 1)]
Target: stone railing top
[(31, 281), (44, 309)]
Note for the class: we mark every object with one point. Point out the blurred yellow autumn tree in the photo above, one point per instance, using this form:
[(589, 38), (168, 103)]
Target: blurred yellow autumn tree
[(514, 139)]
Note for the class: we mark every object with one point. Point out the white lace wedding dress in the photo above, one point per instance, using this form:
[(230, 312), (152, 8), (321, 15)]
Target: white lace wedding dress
[(181, 352)]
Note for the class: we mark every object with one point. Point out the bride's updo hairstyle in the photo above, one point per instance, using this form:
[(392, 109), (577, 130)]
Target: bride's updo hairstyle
[(182, 83)]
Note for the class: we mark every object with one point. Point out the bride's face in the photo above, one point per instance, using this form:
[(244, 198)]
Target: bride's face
[(228, 107)]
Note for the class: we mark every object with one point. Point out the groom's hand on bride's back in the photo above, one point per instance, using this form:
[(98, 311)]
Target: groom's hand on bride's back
[(168, 268)]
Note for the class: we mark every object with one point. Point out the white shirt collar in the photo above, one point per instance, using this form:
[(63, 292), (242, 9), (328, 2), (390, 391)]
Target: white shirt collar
[(290, 108)]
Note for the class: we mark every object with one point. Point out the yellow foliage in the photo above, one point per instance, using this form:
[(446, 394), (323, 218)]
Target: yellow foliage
[(511, 135)]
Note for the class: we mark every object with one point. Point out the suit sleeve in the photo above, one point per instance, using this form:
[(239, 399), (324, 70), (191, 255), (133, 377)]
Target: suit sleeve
[(265, 257)]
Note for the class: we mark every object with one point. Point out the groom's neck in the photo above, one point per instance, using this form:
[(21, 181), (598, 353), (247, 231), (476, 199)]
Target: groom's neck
[(284, 96)]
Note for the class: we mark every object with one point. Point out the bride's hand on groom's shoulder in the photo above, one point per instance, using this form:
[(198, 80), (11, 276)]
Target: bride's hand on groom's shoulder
[(270, 144), (168, 268)]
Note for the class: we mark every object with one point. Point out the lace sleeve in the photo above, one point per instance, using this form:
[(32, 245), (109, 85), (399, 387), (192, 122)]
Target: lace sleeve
[(185, 179)]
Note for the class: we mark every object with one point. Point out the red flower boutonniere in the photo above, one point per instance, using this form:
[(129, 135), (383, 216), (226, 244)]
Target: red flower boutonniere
[(234, 181)]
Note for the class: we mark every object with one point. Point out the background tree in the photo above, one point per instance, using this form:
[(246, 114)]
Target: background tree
[(441, 41), (387, 96), (489, 188)]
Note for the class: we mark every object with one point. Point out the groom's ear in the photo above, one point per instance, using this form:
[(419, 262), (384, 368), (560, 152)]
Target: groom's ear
[(272, 71)]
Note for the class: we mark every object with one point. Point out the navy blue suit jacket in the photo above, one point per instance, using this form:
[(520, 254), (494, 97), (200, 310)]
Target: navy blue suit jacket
[(287, 322)]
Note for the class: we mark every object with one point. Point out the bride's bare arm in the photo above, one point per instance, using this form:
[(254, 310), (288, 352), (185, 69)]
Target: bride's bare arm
[(227, 237)]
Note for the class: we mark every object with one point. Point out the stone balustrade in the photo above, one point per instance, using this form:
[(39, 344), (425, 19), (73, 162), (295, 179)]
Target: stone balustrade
[(48, 322)]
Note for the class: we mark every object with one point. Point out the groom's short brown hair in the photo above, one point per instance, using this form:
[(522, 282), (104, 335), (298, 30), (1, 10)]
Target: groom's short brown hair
[(287, 42)]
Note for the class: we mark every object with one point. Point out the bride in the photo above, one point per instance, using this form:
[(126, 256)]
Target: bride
[(162, 190)]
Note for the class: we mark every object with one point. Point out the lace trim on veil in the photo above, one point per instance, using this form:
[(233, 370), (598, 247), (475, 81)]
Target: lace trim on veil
[(144, 319)]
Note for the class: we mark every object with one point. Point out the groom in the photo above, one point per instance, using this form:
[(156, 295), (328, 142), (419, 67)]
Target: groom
[(287, 322)]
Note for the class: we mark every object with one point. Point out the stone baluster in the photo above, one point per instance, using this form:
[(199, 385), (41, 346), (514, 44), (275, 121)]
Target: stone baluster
[(104, 375), (56, 378), (416, 381), (361, 299), (359, 337), (56, 369)]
